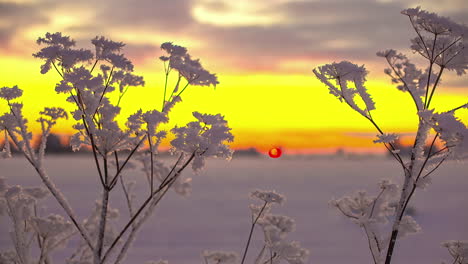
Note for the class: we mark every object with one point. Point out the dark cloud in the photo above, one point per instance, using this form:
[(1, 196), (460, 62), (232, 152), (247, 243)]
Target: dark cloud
[(360, 28), (162, 15), (322, 30), (14, 18)]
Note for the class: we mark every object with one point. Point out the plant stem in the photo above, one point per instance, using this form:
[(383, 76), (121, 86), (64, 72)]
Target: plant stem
[(251, 232), (143, 206)]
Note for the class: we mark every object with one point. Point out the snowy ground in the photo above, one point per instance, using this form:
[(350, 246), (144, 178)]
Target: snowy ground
[(216, 215)]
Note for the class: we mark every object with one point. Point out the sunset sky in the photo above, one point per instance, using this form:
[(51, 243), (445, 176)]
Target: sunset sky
[(263, 52)]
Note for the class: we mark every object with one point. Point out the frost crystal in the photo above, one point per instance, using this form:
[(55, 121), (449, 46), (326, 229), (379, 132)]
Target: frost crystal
[(386, 138), (8, 93), (268, 196), (337, 77), (190, 69), (220, 257)]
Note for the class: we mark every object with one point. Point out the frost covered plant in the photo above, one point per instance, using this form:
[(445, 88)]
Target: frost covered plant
[(96, 93), (444, 44), (458, 250), (275, 229)]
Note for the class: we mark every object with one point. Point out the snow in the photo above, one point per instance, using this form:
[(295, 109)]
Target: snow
[(217, 216)]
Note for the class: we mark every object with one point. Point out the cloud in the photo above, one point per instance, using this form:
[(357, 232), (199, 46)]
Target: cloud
[(242, 36), (15, 18)]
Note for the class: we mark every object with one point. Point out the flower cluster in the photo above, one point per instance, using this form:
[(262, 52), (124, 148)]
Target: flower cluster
[(275, 230), (458, 250), (203, 138), (338, 76), (114, 146), (10, 93), (406, 75), (268, 196), (386, 138), (439, 39), (219, 257), (190, 69), (60, 53), (373, 214), (20, 205), (451, 130)]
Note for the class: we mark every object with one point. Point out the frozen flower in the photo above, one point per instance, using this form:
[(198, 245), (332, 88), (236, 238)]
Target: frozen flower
[(439, 39), (386, 138), (338, 76), (203, 138), (433, 23), (53, 113), (259, 209), (125, 79), (408, 226), (292, 252), (8, 93), (284, 223), (53, 225), (36, 192), (6, 150), (190, 69), (110, 51), (453, 132), (119, 61), (457, 249), (220, 257), (13, 191), (173, 50), (154, 117), (59, 49), (268, 196)]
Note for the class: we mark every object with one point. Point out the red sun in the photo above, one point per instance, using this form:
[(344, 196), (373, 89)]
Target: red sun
[(275, 153)]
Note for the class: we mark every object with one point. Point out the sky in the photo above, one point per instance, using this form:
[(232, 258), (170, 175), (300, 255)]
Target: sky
[(263, 52)]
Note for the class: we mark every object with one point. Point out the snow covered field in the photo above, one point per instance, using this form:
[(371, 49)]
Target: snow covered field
[(216, 215)]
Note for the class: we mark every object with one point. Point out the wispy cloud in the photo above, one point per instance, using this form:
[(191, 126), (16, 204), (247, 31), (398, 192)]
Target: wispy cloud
[(243, 36)]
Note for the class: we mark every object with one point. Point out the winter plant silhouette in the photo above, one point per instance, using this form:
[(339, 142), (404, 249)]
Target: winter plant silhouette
[(114, 148), (444, 44)]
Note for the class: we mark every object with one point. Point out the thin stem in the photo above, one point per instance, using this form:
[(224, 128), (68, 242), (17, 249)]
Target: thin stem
[(114, 179), (176, 88), (427, 157), (183, 89), (143, 206), (375, 201), (151, 160), (61, 74), (102, 224), (251, 232), (457, 108), (94, 65), (436, 167), (431, 63), (449, 46), (403, 81), (104, 91), (165, 89), (435, 86), (58, 196), (94, 148), (369, 242), (344, 213), (420, 37)]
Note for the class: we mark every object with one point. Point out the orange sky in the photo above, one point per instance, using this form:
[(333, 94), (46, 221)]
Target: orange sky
[(263, 57)]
